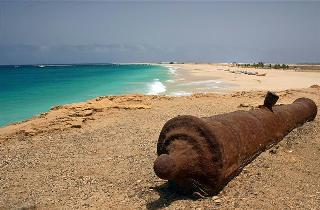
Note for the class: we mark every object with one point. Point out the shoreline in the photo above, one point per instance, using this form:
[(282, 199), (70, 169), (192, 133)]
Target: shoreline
[(189, 79), (32, 90), (274, 79), (74, 115)]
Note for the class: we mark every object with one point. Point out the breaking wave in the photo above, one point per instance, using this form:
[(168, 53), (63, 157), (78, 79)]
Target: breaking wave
[(156, 87), (172, 69)]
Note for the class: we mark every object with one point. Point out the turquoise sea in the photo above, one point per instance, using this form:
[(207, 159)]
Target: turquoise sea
[(26, 91)]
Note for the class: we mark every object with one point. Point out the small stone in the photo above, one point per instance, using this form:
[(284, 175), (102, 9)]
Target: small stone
[(273, 151), (215, 197), (244, 105), (87, 113), (86, 205), (76, 125), (98, 109), (245, 171)]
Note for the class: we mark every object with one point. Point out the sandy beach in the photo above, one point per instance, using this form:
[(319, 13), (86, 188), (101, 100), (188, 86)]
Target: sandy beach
[(99, 154), (222, 78)]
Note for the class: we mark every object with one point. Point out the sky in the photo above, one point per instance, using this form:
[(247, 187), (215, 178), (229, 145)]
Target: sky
[(42, 32)]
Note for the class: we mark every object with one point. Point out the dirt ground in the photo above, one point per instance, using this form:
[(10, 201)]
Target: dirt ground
[(100, 154)]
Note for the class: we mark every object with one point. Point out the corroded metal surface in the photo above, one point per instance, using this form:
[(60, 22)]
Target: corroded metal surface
[(201, 155)]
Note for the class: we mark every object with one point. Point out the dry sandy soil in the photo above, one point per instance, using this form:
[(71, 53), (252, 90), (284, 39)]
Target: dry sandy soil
[(100, 153)]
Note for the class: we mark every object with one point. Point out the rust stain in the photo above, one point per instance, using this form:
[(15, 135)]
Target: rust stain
[(201, 155)]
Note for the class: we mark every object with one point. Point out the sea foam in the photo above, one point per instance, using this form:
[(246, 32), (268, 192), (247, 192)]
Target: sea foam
[(172, 69), (156, 87)]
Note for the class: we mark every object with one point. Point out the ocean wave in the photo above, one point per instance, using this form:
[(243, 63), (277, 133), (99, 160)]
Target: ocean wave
[(170, 81), (156, 87), (59, 65), (172, 70)]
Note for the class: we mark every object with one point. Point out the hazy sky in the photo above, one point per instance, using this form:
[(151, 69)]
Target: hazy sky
[(81, 32)]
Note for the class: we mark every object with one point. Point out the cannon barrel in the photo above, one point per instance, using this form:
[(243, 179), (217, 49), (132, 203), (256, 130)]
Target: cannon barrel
[(201, 155)]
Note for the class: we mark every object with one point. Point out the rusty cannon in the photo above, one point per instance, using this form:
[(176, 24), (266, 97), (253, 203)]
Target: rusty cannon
[(201, 155)]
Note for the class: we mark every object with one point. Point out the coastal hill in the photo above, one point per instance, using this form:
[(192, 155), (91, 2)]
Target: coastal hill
[(100, 153)]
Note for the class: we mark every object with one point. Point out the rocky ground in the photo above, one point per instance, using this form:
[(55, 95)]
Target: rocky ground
[(100, 153)]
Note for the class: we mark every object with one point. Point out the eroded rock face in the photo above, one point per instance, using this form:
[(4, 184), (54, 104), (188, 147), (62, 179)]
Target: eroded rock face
[(201, 155)]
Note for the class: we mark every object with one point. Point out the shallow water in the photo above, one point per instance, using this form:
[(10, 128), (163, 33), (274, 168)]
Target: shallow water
[(26, 91)]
